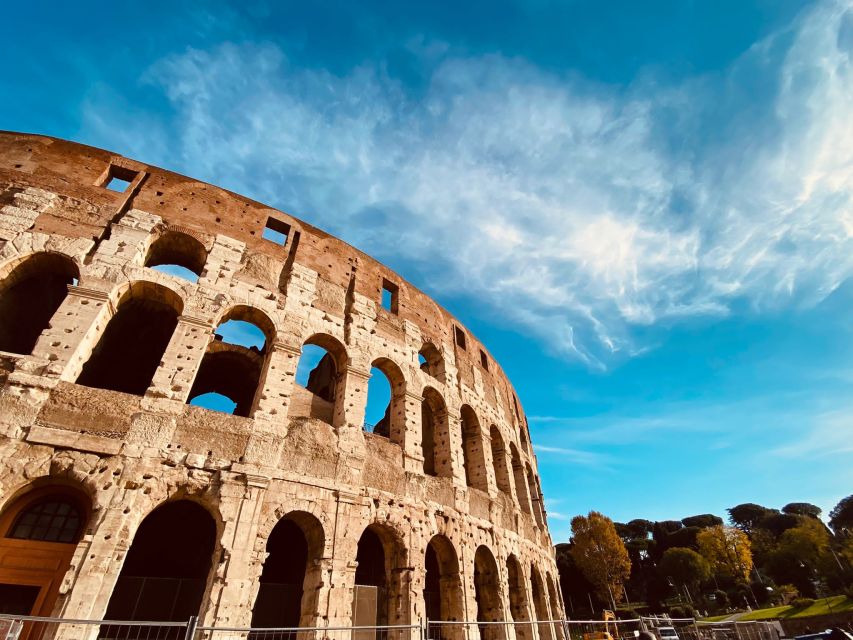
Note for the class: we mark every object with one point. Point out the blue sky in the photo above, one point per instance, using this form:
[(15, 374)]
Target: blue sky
[(643, 209)]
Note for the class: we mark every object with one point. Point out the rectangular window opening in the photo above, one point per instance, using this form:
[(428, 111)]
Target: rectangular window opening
[(460, 337), (389, 295), (118, 179), (484, 360), (276, 231)]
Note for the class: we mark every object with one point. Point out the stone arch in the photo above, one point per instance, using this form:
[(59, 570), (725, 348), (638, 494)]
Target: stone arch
[(556, 609), (173, 247), (535, 496), (291, 575), (502, 477), (443, 595), (520, 481), (519, 607), (40, 528), (320, 390), (431, 361), (30, 294), (380, 591), (393, 423), (234, 370), (435, 435), (473, 455), (134, 340), (171, 553), (487, 593), (540, 606)]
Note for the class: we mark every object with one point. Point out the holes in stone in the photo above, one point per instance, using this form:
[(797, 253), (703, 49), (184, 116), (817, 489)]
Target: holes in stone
[(390, 295)]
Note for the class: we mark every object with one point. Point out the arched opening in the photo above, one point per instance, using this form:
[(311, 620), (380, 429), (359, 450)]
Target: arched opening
[(385, 414), (165, 572), (40, 531), (430, 361), (518, 606), (379, 596), (435, 434), (319, 378), (535, 498), (522, 436), (133, 343), (177, 254), (537, 593), (555, 606), (473, 457), (442, 587), (29, 296), (290, 577), (231, 369), (520, 481), (499, 460), (487, 593)]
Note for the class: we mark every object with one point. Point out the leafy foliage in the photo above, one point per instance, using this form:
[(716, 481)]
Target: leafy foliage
[(841, 516), (727, 550), (685, 566), (747, 516), (802, 509), (600, 554)]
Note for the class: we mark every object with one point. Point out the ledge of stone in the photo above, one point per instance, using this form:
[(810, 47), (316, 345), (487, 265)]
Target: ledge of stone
[(73, 440)]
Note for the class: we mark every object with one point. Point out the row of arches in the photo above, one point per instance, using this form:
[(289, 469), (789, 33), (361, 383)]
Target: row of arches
[(131, 345), (167, 571)]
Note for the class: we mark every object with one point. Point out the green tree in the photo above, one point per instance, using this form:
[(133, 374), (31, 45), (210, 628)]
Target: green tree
[(747, 516), (600, 554), (702, 521), (727, 550), (684, 566), (802, 509), (841, 516)]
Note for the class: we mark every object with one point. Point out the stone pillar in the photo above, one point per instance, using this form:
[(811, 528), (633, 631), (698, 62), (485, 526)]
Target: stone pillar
[(351, 398), (174, 378), (240, 504), (73, 332), (413, 455), (455, 446), (273, 401), (339, 596)]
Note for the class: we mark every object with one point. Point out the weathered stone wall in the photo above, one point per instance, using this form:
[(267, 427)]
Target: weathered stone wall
[(293, 453)]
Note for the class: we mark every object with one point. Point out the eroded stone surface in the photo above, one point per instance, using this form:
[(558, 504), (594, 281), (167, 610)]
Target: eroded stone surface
[(293, 454)]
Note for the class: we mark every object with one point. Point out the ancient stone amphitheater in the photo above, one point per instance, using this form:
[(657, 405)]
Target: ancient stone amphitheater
[(122, 499)]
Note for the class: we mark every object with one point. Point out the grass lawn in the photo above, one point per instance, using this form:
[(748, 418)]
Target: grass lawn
[(716, 618), (835, 604)]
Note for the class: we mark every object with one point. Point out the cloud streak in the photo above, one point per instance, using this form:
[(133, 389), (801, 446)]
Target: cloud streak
[(581, 214)]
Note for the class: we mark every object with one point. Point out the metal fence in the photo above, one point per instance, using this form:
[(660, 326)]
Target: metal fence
[(37, 628)]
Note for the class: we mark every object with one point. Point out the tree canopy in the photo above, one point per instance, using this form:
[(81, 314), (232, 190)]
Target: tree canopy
[(600, 554), (727, 551), (841, 516), (802, 509), (748, 515), (685, 566)]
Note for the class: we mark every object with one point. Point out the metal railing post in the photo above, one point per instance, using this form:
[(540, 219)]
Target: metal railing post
[(192, 625)]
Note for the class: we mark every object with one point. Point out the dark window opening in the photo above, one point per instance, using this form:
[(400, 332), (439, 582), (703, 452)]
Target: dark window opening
[(279, 599), (517, 597), (165, 572), (499, 460), (484, 360), (473, 458), (52, 520), (177, 254), (434, 434), (486, 593), (428, 438), (29, 296), (460, 337), (370, 602), (18, 599), (276, 231), (442, 586), (430, 361), (132, 345), (230, 371), (390, 295)]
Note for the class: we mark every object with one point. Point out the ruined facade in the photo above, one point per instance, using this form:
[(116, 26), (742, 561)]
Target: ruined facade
[(120, 498)]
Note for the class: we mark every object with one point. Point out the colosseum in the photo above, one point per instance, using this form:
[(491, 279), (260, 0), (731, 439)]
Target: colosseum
[(124, 499)]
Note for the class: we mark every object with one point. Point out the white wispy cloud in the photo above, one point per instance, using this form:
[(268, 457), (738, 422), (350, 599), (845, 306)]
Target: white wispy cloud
[(577, 212)]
